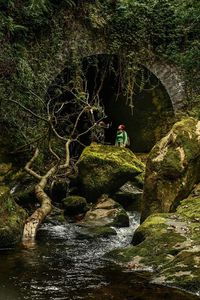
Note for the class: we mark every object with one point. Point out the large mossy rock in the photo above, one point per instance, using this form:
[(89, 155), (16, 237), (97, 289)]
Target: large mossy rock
[(12, 219), (173, 167), (104, 169), (168, 243)]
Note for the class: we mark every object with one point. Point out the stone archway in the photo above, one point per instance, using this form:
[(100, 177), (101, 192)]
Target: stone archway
[(82, 43), (154, 109), (171, 78), (147, 118)]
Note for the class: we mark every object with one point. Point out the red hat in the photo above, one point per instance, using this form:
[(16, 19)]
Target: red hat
[(122, 126)]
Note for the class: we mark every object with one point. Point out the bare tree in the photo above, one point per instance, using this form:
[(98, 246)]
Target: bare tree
[(62, 124)]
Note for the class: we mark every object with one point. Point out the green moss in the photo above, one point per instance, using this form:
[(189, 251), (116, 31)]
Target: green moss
[(168, 243), (75, 205), (184, 270), (121, 219), (5, 168), (172, 165), (116, 155), (56, 215), (12, 218), (172, 168), (190, 208), (111, 167)]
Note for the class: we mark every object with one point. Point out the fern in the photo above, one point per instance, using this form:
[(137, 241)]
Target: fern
[(12, 27), (38, 6), (70, 3)]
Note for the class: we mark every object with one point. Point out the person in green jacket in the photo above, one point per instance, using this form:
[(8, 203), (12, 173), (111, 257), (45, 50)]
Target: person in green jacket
[(122, 139)]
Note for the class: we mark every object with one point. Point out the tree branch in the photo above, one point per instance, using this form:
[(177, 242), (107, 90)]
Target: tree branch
[(28, 110), (29, 163)]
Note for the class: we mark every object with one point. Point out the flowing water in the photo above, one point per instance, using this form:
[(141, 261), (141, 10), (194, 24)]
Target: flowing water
[(63, 265)]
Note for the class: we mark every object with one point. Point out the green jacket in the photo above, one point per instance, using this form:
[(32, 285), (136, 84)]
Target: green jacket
[(121, 137)]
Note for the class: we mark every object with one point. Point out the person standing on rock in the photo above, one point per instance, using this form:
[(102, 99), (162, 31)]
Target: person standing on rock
[(122, 139)]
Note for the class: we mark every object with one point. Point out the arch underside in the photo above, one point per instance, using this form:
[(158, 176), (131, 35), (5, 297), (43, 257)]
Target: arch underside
[(149, 113)]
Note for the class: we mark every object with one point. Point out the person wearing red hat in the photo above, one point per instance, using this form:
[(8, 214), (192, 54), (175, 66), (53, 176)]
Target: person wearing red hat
[(122, 139)]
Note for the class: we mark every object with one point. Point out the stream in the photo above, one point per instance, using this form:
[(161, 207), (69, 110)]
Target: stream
[(63, 265)]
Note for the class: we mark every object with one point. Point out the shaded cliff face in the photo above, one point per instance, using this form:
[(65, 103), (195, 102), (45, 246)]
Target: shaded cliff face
[(172, 168)]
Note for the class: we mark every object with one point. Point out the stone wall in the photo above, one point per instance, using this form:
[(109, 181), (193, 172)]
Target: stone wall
[(170, 77)]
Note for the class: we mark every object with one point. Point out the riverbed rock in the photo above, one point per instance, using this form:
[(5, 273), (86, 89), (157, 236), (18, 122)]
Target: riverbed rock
[(12, 219), (91, 232), (74, 205), (106, 212), (172, 168), (104, 169), (168, 243), (129, 196), (56, 216)]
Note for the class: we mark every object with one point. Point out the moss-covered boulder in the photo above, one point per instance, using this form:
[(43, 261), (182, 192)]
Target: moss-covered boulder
[(106, 212), (168, 243), (172, 168), (103, 169), (74, 205), (12, 218)]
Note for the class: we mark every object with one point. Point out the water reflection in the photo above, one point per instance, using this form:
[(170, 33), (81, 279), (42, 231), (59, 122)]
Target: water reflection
[(60, 265)]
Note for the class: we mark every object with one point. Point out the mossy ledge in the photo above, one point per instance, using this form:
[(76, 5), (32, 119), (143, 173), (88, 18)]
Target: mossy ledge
[(168, 243), (103, 169)]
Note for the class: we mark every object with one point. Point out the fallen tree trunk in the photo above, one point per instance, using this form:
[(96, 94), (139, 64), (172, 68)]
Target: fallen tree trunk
[(33, 222)]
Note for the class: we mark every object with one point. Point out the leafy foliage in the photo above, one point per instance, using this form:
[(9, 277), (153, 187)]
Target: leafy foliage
[(168, 28), (133, 29)]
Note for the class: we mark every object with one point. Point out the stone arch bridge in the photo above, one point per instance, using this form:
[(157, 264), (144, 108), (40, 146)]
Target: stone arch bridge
[(168, 74), (147, 125)]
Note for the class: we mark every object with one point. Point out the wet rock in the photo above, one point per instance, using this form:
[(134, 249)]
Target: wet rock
[(106, 212), (74, 205), (172, 168), (183, 271), (129, 196), (23, 190), (104, 169), (95, 232), (59, 190), (12, 219), (25, 196), (56, 216), (168, 243)]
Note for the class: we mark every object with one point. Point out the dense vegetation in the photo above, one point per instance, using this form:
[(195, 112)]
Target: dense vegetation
[(170, 28), (133, 28)]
